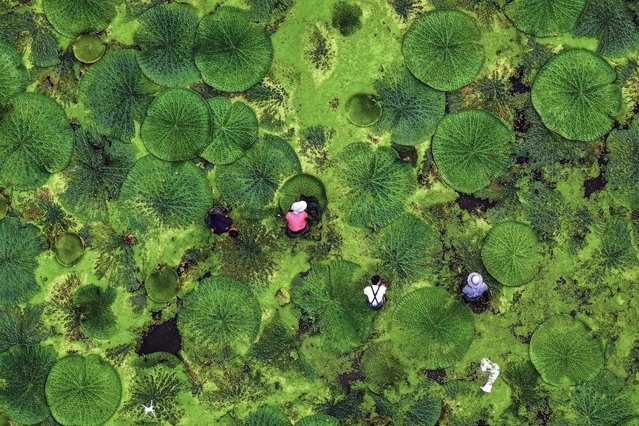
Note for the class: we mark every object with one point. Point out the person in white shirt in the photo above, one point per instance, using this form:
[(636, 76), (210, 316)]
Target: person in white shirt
[(487, 366), (376, 293)]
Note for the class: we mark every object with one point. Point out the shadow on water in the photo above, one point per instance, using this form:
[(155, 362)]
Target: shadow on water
[(597, 183), (163, 337), (473, 204)]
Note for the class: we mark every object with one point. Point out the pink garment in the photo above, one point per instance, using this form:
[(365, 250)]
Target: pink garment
[(296, 222)]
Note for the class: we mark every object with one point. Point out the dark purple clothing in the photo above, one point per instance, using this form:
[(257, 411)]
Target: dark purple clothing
[(218, 222)]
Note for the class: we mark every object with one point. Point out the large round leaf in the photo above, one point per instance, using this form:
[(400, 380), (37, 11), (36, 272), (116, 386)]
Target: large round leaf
[(431, 329), (411, 110), (375, 184), (253, 180), (221, 313), (177, 125), (231, 52), (576, 96), (442, 49), (83, 390), (35, 140), (545, 18), (73, 17), (166, 37), (330, 293), (318, 420), (24, 371), (471, 148), (117, 94), (303, 185), (93, 303), (13, 76), (160, 194), (20, 246), (512, 253), (267, 416), (622, 169), (565, 352), (233, 131), (162, 285)]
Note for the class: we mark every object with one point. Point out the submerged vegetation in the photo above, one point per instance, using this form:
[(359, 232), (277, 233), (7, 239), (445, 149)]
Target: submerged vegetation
[(429, 139)]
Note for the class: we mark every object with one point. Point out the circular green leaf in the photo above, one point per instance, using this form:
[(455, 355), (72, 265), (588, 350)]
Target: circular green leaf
[(267, 416), (253, 180), (4, 207), (166, 37), (303, 185), (318, 420), (221, 313), (83, 390), (442, 49), (13, 75), (565, 352), (73, 17), (471, 148), (363, 110), (69, 248), (93, 303), (24, 371), (375, 183), (20, 246), (511, 253), (231, 52), (233, 131), (177, 125), (544, 18), (156, 194), (116, 93), (162, 285), (576, 96), (35, 140), (88, 48), (431, 329)]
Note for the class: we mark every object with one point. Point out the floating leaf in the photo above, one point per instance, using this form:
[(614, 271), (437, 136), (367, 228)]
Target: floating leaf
[(544, 18), (93, 303), (74, 17), (13, 75), (303, 185)]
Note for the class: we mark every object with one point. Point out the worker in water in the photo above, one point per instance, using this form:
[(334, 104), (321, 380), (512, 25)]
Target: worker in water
[(296, 224), (376, 293), (475, 288), (219, 222), (487, 366)]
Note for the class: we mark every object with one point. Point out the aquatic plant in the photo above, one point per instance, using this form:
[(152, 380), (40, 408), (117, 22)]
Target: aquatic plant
[(20, 245), (313, 144), (69, 248), (524, 382), (331, 294), (431, 329), (375, 182), (160, 384), (381, 368), (21, 326), (544, 18), (471, 148), (575, 95), (419, 407), (35, 140), (405, 248), (346, 18), (95, 174), (166, 37), (302, 185), (275, 344), (622, 169), (317, 420), (617, 250), (116, 93), (363, 110), (611, 23), (164, 195), (543, 206), (44, 45), (162, 285), (24, 371), (74, 17), (93, 305), (265, 10), (115, 259), (83, 390), (267, 416), (231, 52), (13, 75), (254, 178), (88, 48), (177, 125), (442, 49), (221, 314), (512, 253), (233, 131), (411, 110), (565, 352)]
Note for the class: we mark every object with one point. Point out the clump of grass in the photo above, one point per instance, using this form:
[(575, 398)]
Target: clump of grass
[(346, 18)]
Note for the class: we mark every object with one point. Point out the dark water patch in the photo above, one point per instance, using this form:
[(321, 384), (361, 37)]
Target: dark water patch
[(438, 376), (520, 124), (518, 86), (635, 110), (521, 160), (472, 204), (304, 325), (597, 183), (407, 154), (347, 379), (157, 315), (537, 175), (163, 337)]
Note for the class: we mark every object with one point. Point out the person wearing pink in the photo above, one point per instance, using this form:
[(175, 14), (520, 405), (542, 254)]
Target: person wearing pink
[(296, 219)]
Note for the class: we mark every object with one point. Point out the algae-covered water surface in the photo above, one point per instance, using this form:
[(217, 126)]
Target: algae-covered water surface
[(430, 140)]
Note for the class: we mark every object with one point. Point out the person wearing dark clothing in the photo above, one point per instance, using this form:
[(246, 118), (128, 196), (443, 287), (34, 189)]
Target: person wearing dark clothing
[(218, 221)]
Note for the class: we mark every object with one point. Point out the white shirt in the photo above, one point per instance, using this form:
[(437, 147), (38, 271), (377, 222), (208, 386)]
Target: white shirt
[(370, 290)]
